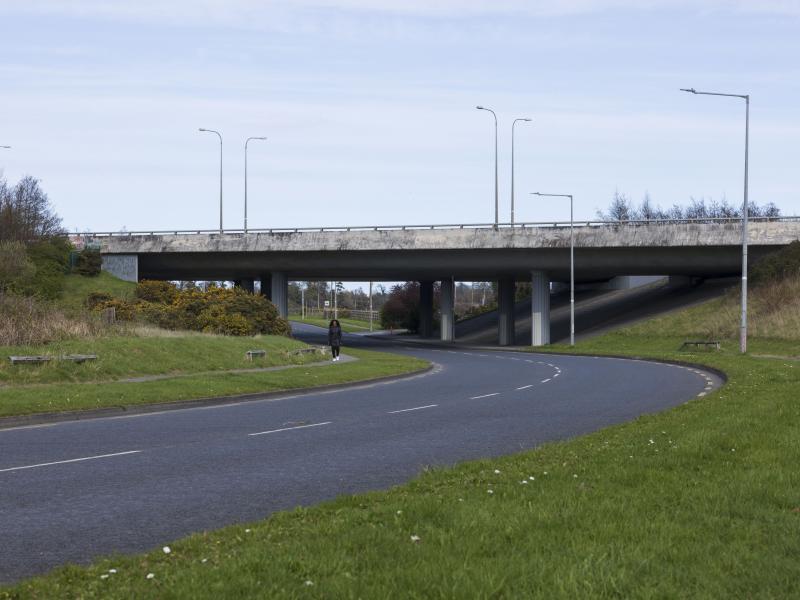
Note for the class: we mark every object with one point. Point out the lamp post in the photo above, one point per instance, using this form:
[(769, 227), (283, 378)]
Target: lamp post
[(496, 196), (746, 98), (571, 265), (512, 165), (220, 173), (247, 141)]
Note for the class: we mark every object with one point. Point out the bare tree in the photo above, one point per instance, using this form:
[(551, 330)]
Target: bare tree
[(26, 213)]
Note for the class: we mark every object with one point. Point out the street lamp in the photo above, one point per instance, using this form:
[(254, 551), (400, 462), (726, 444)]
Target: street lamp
[(496, 198), (512, 165), (746, 98), (247, 141), (571, 265), (220, 173)]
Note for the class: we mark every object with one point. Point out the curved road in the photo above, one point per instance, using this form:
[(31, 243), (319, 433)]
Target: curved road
[(77, 490)]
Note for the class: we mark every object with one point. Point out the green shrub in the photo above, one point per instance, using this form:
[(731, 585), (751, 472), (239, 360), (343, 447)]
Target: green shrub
[(162, 292), (96, 298), (777, 266), (89, 262), (15, 266), (218, 310)]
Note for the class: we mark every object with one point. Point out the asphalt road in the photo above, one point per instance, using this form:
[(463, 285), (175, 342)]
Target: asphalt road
[(73, 491)]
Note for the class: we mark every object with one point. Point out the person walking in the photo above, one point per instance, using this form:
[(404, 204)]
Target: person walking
[(335, 339)]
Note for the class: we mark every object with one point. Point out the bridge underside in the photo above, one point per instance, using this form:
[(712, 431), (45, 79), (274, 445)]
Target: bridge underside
[(591, 264)]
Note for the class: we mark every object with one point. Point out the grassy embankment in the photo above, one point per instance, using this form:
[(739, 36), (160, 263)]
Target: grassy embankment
[(348, 325), (181, 365), (699, 501)]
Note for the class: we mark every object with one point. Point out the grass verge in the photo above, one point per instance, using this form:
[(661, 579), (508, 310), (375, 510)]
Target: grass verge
[(22, 400), (348, 325), (699, 501)]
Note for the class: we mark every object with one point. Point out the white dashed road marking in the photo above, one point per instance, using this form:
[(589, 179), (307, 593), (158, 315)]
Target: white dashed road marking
[(525, 387), (485, 396), (291, 428), (72, 460), (545, 380), (394, 412)]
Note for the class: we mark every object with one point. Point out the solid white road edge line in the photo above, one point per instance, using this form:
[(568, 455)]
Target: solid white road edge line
[(72, 460), (394, 412), (290, 428), (485, 396)]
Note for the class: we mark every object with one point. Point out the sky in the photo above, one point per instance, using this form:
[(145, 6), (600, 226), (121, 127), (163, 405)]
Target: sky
[(369, 107)]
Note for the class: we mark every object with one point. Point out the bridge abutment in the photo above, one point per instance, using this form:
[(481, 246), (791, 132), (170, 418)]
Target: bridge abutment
[(122, 266), (540, 308)]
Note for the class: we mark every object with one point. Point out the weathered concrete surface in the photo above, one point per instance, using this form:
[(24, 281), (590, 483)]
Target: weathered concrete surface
[(468, 254), (123, 266)]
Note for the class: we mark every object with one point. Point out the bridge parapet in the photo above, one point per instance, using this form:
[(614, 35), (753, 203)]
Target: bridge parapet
[(556, 235)]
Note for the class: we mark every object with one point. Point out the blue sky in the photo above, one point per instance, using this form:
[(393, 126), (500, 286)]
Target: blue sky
[(369, 107)]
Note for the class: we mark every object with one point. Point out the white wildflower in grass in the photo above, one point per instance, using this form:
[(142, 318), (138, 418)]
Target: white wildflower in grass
[(104, 576), (204, 560), (460, 499), (150, 576), (490, 491), (247, 531), (399, 512), (733, 449), (497, 471), (112, 571), (415, 538), (652, 442), (575, 475), (545, 472), (308, 582), (524, 482), (166, 549), (532, 478)]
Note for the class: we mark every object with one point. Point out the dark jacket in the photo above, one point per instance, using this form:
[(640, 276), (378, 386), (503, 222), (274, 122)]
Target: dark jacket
[(334, 336)]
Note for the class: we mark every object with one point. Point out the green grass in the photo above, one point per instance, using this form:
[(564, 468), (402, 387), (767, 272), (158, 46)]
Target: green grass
[(28, 399), (700, 501), (159, 353), (348, 325), (77, 288)]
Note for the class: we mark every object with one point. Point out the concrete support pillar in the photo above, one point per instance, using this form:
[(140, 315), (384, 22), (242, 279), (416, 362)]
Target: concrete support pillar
[(248, 285), (447, 309), (505, 311), (540, 309), (266, 286), (280, 293), (425, 309)]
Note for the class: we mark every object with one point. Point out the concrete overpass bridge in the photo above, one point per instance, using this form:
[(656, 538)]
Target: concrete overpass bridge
[(536, 252)]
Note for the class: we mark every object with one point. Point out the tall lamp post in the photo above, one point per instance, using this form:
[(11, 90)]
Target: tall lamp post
[(512, 165), (496, 195), (571, 265), (247, 141), (746, 98), (220, 173)]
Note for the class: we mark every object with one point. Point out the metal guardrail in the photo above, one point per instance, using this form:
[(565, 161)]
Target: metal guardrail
[(531, 225)]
